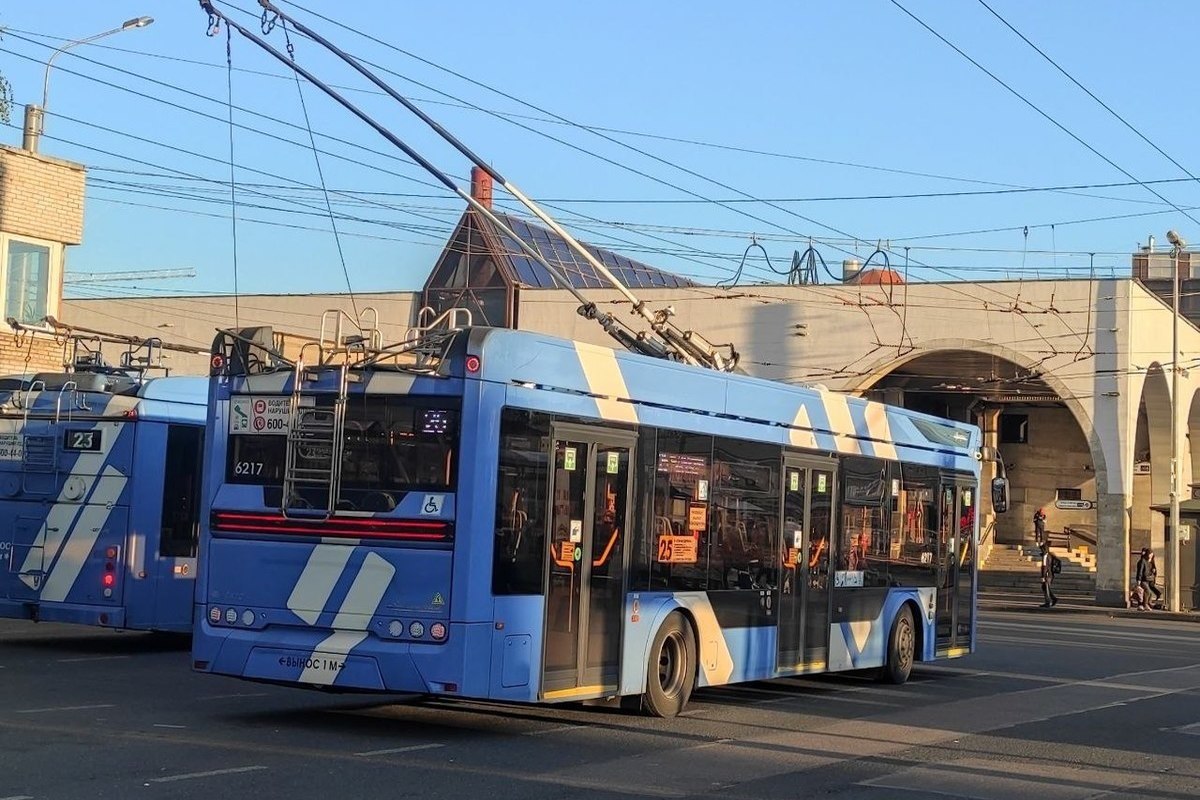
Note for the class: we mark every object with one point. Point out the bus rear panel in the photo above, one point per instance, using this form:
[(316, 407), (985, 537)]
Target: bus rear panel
[(99, 478)]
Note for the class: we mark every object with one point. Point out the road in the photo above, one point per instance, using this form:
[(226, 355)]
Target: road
[(1054, 706)]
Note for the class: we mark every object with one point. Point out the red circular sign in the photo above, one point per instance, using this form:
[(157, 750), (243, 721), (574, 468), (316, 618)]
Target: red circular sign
[(260, 406), (259, 423)]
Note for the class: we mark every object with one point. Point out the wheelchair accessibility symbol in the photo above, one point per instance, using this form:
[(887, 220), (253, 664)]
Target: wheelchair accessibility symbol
[(432, 507)]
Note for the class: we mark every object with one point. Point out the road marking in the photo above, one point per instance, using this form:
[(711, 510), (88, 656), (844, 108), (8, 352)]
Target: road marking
[(89, 658), (410, 749), (165, 725), (187, 776), (557, 729), (18, 797), (63, 708)]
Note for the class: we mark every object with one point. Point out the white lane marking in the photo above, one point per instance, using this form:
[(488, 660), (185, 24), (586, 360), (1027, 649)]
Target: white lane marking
[(410, 749), (88, 658), (557, 729), (165, 725), (83, 536), (235, 695), (1089, 632), (187, 776), (18, 797), (315, 584), (63, 708)]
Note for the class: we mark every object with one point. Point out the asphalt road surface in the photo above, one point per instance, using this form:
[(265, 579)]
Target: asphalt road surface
[(1054, 707)]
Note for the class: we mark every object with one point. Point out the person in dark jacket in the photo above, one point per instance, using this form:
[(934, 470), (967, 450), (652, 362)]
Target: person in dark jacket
[(1048, 577), (1039, 525), (1147, 576)]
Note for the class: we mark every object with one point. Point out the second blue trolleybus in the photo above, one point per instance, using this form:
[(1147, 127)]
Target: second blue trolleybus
[(99, 497), (523, 518)]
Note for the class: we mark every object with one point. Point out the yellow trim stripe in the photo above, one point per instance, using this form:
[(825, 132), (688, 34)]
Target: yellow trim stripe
[(837, 408), (801, 434), (880, 430), (606, 383), (954, 652), (579, 691)]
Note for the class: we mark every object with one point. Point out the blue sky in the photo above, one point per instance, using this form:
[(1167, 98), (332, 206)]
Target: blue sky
[(801, 83)]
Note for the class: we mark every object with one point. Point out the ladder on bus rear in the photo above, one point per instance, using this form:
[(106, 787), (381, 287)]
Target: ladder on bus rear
[(40, 449), (313, 467)]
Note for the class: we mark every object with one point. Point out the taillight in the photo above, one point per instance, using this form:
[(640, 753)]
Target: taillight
[(338, 527), (109, 579), (473, 364)]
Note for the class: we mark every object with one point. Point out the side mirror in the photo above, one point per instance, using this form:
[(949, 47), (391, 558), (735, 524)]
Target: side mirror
[(1000, 495)]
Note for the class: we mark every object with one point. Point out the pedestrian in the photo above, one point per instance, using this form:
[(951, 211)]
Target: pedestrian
[(1048, 560), (1147, 577), (1039, 525)]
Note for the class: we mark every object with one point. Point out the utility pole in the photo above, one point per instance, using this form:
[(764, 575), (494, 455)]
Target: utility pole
[(1177, 245)]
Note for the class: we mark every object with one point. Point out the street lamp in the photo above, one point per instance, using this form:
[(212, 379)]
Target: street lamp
[(1177, 245), (35, 115)]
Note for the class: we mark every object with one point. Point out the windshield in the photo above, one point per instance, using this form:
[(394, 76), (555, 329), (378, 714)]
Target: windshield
[(391, 445)]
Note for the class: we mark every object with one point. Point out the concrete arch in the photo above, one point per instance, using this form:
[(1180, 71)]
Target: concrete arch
[(1156, 399), (1193, 444), (883, 367)]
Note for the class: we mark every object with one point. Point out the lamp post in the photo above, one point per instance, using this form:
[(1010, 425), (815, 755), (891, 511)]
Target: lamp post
[(35, 115), (1177, 245)]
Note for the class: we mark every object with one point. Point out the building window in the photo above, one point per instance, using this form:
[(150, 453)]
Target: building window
[(1014, 428), (1068, 494), (29, 279)]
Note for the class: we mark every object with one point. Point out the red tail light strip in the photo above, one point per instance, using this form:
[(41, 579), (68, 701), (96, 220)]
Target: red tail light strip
[(343, 527)]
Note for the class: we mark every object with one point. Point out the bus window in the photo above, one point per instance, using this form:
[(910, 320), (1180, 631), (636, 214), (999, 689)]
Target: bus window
[(521, 503), (913, 557), (181, 491), (392, 445), (744, 546), (864, 543), (680, 523)]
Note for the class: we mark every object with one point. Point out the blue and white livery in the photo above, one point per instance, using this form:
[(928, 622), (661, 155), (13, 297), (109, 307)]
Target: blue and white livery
[(99, 495), (523, 518)]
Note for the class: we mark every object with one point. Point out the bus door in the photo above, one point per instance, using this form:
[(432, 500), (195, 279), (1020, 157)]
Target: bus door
[(956, 573), (804, 566), (175, 554), (590, 512)]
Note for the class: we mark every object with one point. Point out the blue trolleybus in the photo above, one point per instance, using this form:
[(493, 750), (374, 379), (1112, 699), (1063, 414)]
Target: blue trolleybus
[(522, 518), (99, 497)]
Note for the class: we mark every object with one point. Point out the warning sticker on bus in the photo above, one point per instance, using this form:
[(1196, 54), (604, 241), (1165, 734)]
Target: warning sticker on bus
[(10, 447), (677, 550), (259, 416)]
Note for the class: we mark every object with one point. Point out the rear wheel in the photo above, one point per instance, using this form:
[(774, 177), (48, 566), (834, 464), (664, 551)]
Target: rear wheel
[(671, 668), (902, 645)]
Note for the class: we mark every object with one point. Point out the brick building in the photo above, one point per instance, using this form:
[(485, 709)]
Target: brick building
[(41, 214)]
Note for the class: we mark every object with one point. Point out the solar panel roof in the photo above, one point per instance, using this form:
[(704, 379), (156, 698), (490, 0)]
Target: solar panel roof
[(582, 275)]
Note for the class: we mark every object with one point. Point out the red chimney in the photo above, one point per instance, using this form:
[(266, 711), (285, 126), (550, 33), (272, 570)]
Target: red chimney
[(481, 186)]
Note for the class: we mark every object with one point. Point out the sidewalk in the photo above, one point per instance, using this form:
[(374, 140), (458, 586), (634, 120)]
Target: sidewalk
[(995, 600)]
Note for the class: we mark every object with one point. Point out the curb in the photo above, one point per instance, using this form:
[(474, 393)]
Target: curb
[(1114, 613)]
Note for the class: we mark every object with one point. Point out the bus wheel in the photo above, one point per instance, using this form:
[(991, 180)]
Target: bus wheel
[(671, 668), (901, 648)]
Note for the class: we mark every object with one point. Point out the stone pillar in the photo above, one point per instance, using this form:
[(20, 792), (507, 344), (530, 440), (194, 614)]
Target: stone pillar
[(1112, 555)]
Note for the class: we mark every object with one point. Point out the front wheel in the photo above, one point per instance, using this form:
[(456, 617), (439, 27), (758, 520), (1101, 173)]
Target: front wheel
[(902, 645), (671, 668)]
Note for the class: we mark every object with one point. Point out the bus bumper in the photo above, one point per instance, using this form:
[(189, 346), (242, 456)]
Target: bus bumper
[(101, 616), (320, 659)]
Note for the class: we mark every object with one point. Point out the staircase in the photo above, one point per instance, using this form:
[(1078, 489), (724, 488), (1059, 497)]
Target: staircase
[(1016, 568)]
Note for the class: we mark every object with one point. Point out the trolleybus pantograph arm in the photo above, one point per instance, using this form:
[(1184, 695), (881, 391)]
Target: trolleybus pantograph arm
[(686, 346)]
